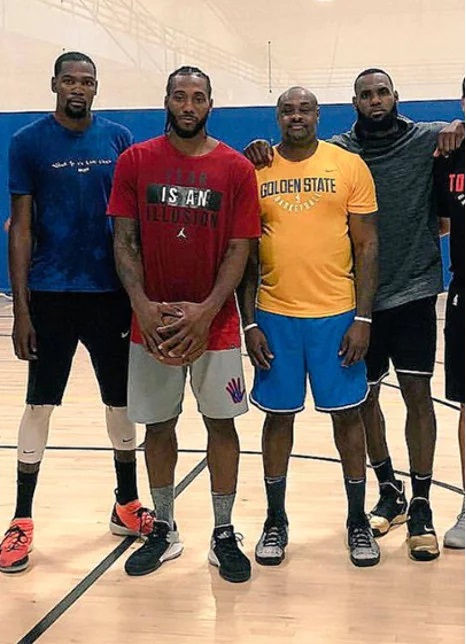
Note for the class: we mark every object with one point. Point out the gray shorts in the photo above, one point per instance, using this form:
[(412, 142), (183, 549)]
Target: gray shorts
[(156, 391)]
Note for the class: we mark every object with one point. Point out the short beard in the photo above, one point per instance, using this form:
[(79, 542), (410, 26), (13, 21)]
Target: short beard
[(184, 134), (372, 126), (303, 142), (76, 115)]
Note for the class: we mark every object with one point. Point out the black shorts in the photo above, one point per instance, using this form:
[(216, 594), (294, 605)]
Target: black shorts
[(454, 344), (406, 335), (101, 321)]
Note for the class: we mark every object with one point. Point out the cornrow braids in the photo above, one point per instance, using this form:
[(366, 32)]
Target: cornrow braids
[(186, 70)]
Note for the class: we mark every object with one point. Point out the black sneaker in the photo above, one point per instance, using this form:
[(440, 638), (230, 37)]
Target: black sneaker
[(390, 509), (161, 545), (422, 540), (270, 549), (224, 553), (364, 551)]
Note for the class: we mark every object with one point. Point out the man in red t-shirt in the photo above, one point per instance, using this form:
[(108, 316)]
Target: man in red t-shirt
[(186, 206)]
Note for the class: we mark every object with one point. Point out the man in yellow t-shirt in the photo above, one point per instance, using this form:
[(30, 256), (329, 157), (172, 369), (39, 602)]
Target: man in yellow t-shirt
[(318, 275)]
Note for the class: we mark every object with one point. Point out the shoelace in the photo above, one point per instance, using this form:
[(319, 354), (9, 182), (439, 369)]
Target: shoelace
[(15, 537), (146, 519), (360, 538), (273, 537), (229, 545), (460, 520)]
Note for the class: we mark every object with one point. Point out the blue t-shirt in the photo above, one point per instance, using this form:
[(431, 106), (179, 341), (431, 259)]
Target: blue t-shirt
[(69, 175)]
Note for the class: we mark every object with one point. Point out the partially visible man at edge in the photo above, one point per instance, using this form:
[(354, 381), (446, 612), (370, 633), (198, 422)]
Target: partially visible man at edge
[(449, 191)]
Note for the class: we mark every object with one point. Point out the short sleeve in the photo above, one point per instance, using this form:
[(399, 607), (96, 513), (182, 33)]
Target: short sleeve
[(20, 166), (246, 215), (126, 139), (123, 200), (362, 197)]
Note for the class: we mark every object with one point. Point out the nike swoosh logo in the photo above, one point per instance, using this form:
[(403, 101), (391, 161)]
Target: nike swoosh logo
[(126, 440), (30, 451), (124, 335), (400, 501), (426, 529)]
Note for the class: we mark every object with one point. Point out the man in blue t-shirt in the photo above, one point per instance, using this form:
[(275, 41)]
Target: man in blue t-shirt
[(65, 287)]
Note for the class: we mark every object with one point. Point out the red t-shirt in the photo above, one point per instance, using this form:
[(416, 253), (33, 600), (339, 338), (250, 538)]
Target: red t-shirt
[(188, 209)]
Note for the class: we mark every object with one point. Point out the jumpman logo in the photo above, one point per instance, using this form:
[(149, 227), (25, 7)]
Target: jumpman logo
[(181, 234)]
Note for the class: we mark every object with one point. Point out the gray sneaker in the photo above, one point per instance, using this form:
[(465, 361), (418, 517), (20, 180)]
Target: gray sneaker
[(364, 551), (454, 538), (270, 549)]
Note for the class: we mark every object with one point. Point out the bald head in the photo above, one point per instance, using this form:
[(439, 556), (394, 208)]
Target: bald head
[(297, 115), (297, 93)]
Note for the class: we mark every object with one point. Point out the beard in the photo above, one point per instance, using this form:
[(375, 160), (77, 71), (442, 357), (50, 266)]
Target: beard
[(299, 139), (185, 134), (76, 113), (372, 126)]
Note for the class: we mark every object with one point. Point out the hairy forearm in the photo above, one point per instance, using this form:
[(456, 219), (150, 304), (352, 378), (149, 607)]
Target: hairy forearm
[(366, 273), (19, 260), (229, 275), (247, 288)]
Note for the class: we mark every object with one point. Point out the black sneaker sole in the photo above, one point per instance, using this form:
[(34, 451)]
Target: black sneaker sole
[(237, 578), (234, 579), (270, 561), (423, 553), (132, 572), (423, 556), (145, 571)]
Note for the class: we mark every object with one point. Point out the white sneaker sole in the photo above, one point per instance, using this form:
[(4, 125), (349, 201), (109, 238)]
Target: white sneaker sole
[(122, 531), (174, 551), (11, 570)]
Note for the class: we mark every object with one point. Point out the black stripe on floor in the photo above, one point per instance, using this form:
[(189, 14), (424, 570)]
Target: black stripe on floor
[(90, 579)]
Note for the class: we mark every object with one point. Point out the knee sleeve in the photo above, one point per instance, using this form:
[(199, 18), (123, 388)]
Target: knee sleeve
[(121, 431), (33, 433)]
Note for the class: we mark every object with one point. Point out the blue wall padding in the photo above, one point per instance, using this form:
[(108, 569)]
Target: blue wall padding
[(234, 125)]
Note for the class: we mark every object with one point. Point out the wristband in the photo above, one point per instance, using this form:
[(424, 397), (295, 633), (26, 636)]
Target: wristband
[(361, 318), (253, 325)]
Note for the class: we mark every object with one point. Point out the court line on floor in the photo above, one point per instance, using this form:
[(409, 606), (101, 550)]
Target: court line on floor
[(307, 457), (78, 591), (440, 401)]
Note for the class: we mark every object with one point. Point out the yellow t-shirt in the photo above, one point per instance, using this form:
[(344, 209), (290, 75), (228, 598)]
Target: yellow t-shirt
[(305, 250)]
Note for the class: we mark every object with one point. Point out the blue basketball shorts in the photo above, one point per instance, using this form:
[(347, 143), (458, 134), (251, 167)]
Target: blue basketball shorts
[(307, 347)]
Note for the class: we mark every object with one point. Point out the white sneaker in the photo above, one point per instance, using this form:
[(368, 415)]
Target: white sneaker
[(454, 538)]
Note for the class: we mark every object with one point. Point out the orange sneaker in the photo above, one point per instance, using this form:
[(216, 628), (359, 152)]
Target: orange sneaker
[(131, 520), (16, 546)]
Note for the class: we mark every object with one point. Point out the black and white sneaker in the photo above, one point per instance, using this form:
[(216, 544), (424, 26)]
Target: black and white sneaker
[(224, 553), (270, 549), (390, 510), (162, 544), (364, 550), (422, 539)]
